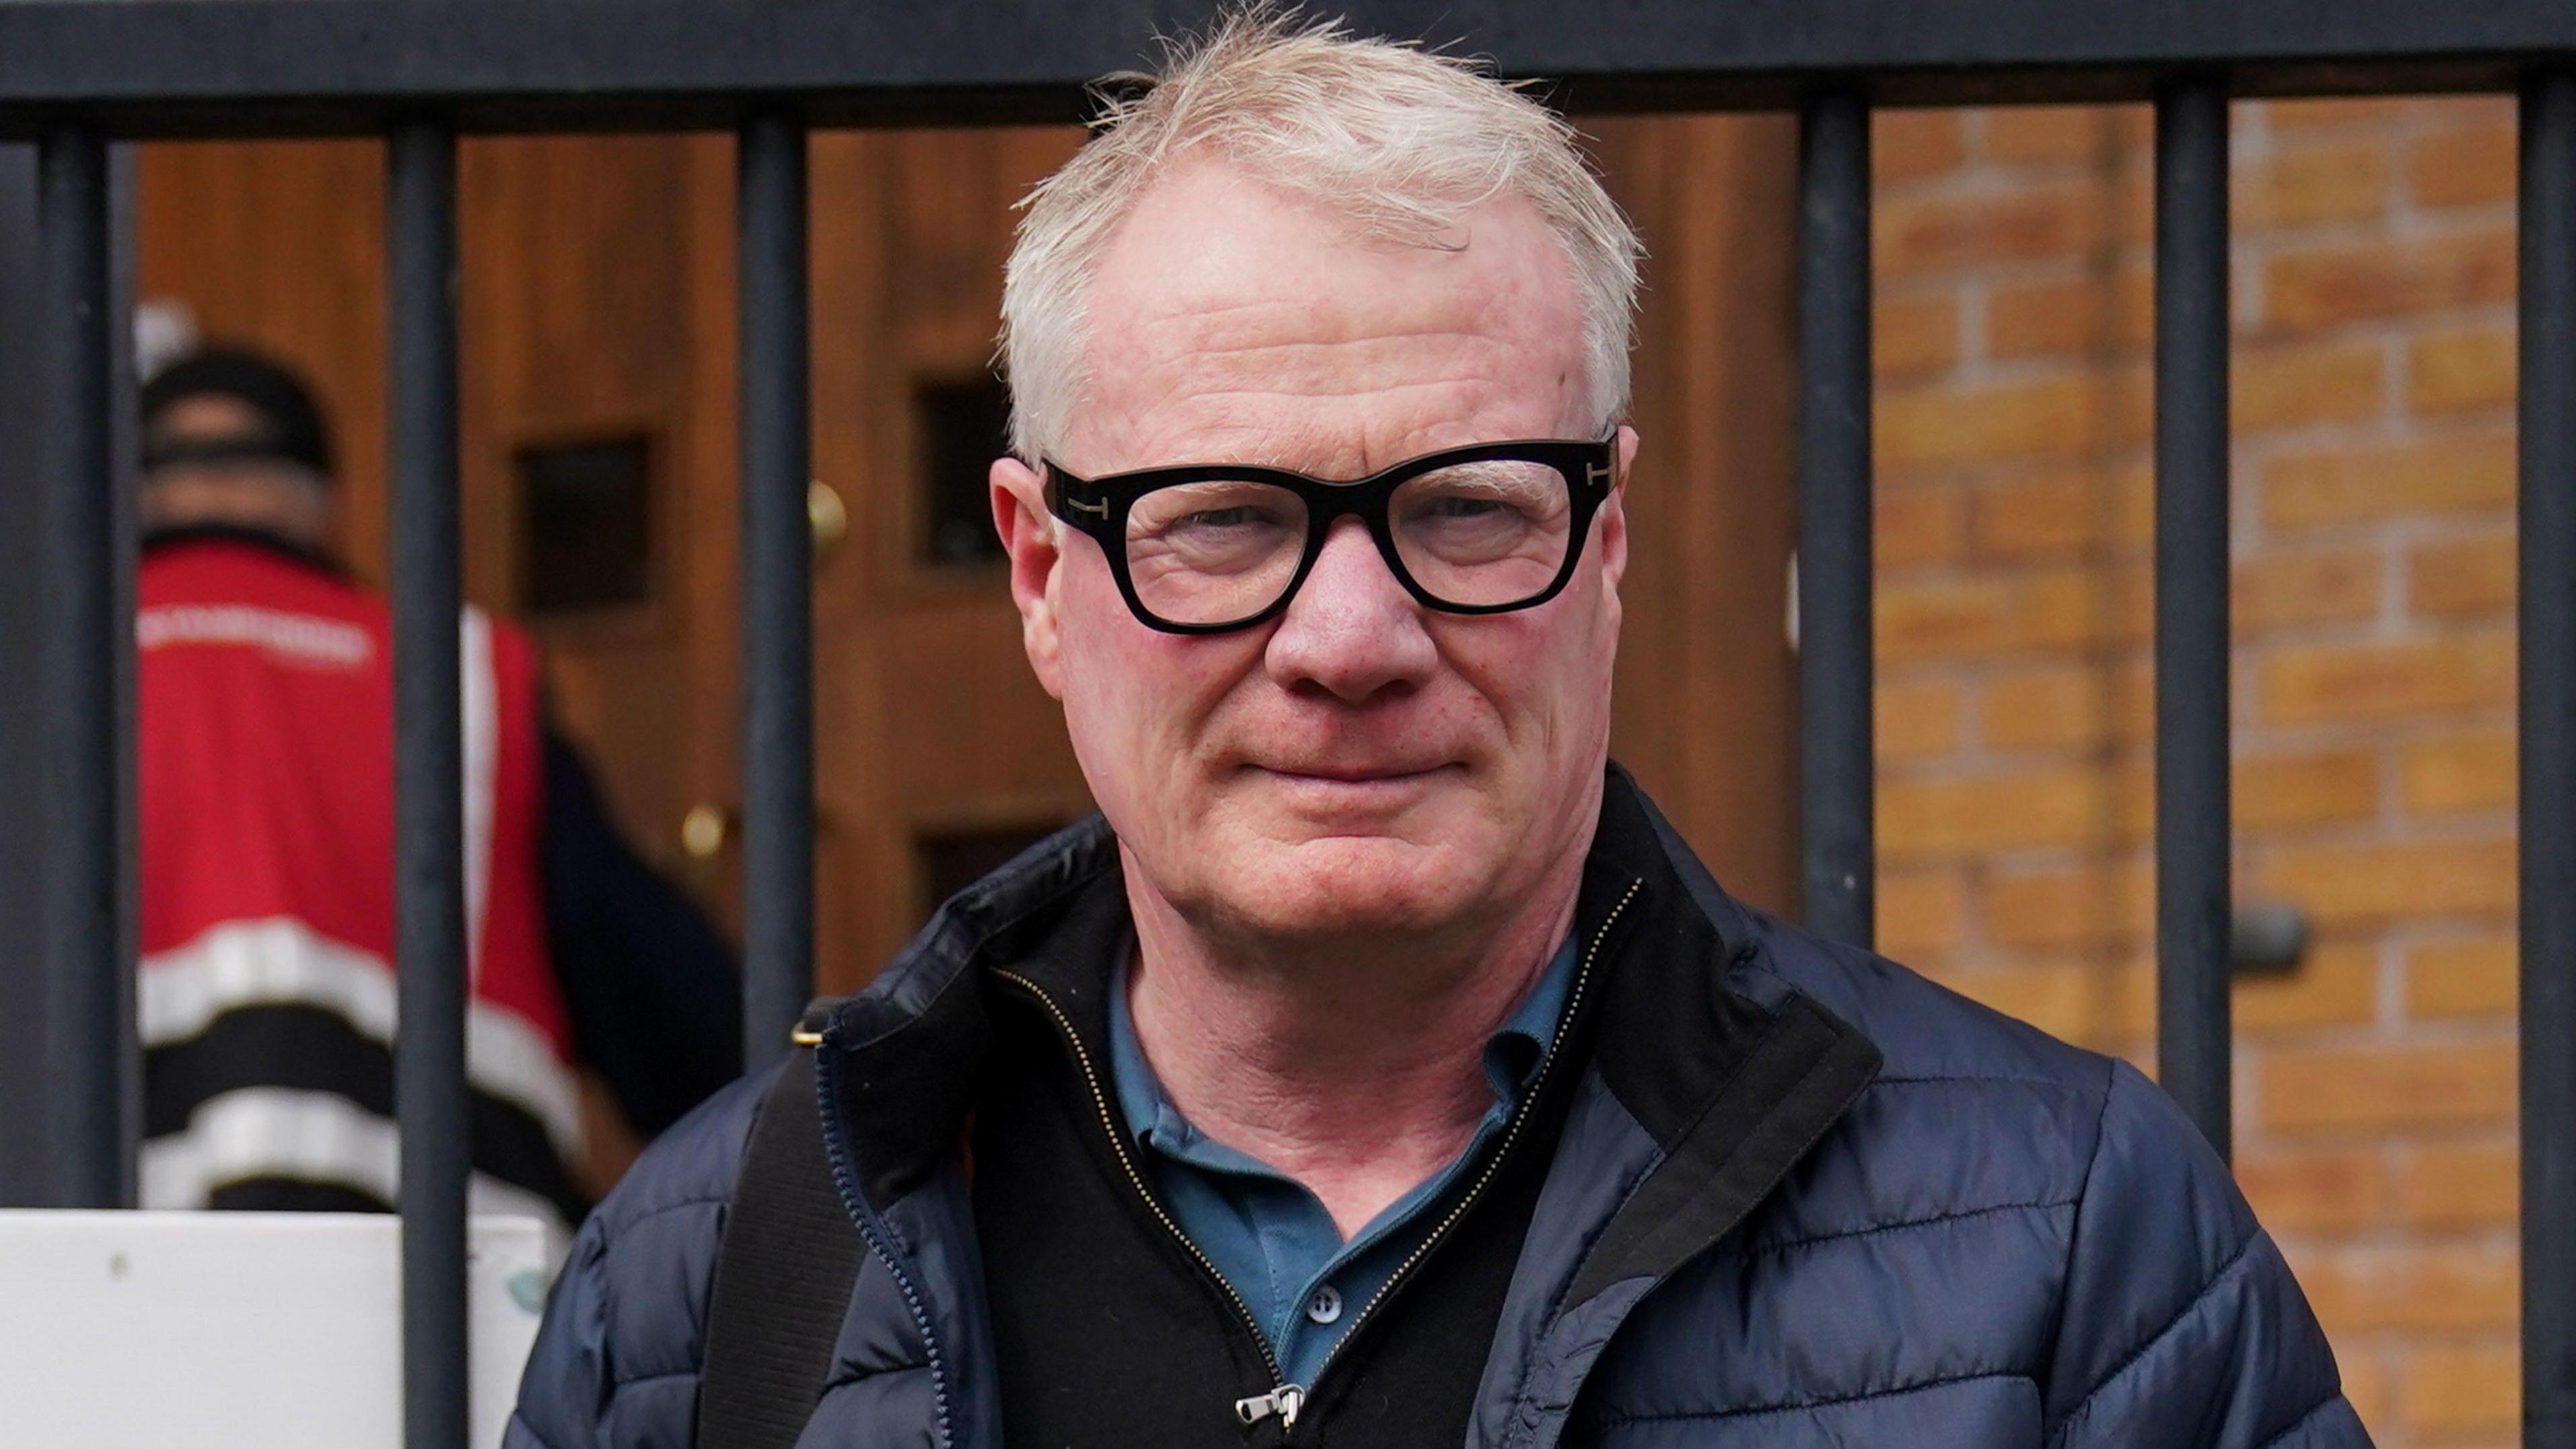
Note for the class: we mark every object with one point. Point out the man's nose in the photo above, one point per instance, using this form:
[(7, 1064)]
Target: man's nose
[(1352, 630)]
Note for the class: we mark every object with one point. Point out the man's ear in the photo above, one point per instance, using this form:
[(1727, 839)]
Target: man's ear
[(1614, 514), (1035, 543)]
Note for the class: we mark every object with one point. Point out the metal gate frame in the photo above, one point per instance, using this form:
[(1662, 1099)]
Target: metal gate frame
[(75, 74)]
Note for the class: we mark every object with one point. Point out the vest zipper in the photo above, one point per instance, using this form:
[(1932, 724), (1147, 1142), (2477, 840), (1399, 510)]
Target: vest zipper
[(1502, 1151), (880, 1238), (1286, 1400)]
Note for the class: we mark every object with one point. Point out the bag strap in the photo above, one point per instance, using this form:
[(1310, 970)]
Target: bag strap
[(789, 1257)]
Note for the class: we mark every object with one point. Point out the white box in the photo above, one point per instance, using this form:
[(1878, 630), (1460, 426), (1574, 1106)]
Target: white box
[(135, 1330)]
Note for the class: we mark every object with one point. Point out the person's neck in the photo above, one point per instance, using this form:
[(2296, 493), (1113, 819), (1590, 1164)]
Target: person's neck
[(1355, 1067)]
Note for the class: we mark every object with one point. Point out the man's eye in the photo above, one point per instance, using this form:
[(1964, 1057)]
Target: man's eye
[(1457, 506), (1234, 517)]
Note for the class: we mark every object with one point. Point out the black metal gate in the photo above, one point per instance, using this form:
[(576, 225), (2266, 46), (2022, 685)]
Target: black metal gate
[(75, 74)]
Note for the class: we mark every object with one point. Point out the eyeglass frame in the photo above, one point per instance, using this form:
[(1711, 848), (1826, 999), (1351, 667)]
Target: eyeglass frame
[(1099, 507)]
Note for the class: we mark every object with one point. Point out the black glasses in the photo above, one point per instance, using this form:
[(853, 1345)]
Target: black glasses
[(1205, 548)]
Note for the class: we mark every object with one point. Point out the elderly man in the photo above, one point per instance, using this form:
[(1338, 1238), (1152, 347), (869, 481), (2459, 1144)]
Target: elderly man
[(1380, 1069)]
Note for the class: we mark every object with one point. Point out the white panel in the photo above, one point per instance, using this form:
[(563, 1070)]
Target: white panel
[(141, 1330)]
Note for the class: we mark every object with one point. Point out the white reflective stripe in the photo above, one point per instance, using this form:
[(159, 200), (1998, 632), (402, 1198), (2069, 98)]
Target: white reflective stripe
[(281, 961), (298, 638), (480, 686), (307, 1136)]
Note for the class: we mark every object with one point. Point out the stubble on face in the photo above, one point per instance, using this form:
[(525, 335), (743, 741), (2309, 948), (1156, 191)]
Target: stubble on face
[(1361, 765)]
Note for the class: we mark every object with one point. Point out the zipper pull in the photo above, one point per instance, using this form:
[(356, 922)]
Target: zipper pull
[(1284, 1401)]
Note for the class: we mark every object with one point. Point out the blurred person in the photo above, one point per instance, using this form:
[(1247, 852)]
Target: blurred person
[(266, 985), (1379, 1067)]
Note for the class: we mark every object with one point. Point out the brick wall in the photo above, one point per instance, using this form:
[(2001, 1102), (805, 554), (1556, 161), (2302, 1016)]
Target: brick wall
[(2374, 272)]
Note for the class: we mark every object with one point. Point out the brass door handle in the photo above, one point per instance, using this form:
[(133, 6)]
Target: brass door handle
[(704, 830), (826, 515)]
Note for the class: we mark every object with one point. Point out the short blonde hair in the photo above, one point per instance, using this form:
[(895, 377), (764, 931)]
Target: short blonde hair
[(1403, 141)]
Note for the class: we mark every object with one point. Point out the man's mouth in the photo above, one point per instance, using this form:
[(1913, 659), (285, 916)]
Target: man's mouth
[(1359, 774)]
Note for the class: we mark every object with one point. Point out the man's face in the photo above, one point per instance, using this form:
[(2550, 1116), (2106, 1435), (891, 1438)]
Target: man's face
[(1359, 764)]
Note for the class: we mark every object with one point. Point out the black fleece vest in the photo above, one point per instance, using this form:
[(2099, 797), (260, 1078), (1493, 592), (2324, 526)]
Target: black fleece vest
[(1110, 1333)]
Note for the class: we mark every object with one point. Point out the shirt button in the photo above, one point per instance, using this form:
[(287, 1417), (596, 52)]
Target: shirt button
[(1325, 1306)]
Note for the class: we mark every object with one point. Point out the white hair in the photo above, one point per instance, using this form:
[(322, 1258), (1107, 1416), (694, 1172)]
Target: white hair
[(1401, 140)]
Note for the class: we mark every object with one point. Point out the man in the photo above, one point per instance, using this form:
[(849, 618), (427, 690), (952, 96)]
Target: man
[(1381, 1069), (266, 983)]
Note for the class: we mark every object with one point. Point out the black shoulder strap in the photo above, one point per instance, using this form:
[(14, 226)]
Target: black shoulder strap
[(783, 1275)]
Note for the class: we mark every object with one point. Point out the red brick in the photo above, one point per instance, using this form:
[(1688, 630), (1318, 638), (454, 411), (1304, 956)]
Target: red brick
[(2349, 485), (2478, 976), (1908, 145), (1917, 234), (2386, 1085), (2385, 881), (2276, 791), (1918, 718), (1914, 334), (2450, 773), (2455, 1389), (2279, 588), (1918, 523), (2054, 417), (2334, 1191), (2045, 708), (1928, 819), (2467, 167), (2045, 319), (2462, 371), (2421, 1287), (2359, 682), (2303, 384), (2334, 986), (2064, 907), (2462, 576), (2450, 1185), (2051, 515), (2330, 112), (1921, 913), (2352, 282), (2306, 184), (2046, 135), (1989, 616)]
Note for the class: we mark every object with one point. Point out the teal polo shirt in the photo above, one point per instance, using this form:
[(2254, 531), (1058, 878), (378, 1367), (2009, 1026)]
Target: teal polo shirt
[(1270, 1236)]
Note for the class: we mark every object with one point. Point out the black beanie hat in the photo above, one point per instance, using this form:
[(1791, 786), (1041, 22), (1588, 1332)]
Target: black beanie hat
[(291, 425)]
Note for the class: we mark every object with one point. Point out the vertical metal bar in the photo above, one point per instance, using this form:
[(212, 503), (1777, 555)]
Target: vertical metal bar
[(125, 446), (429, 817), (2547, 630), (79, 732), (1835, 765), (777, 589), (2192, 888), (26, 1177)]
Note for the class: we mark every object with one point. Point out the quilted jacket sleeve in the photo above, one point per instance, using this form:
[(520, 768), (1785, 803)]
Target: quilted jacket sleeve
[(2181, 1326), (568, 1367), (617, 1357)]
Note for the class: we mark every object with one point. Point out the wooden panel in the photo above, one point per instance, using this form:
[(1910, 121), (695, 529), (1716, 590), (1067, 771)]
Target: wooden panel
[(1707, 711), (281, 244)]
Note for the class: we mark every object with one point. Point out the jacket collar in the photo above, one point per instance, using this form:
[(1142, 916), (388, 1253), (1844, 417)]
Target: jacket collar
[(1731, 1072)]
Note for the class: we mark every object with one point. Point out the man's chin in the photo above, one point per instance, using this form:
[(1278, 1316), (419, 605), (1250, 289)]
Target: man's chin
[(1334, 885)]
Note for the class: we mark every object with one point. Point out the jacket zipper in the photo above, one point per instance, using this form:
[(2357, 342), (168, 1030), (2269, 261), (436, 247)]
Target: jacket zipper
[(1502, 1152), (880, 1238), (1286, 1400)]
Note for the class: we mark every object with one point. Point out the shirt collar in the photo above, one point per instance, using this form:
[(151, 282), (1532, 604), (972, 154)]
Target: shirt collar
[(1512, 1058)]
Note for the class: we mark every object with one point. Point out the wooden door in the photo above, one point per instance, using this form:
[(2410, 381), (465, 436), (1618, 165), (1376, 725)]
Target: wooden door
[(940, 753)]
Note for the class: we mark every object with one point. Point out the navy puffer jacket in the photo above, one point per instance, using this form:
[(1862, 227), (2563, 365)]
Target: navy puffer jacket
[(1802, 1198)]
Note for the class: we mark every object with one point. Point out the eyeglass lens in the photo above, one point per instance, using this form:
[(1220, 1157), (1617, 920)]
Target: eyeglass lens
[(1476, 535)]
